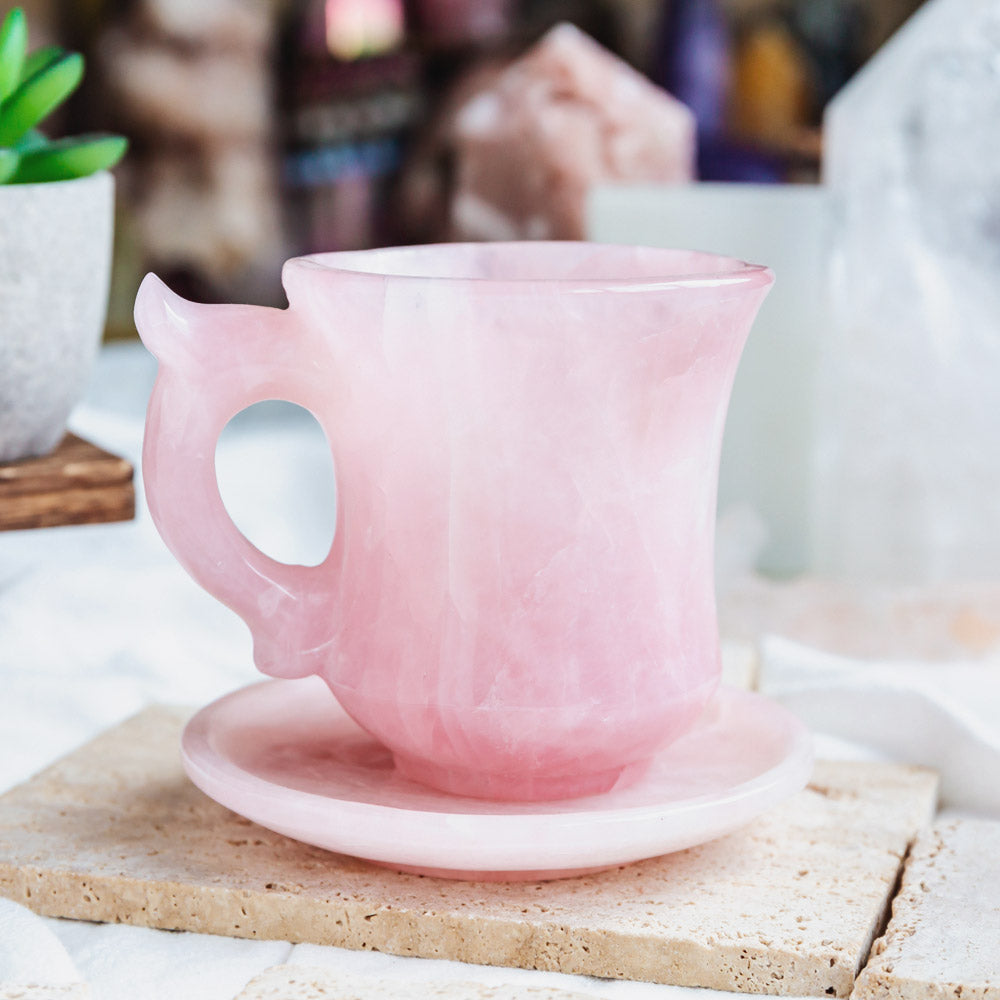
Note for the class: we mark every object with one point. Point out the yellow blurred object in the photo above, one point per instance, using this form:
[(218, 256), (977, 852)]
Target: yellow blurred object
[(772, 91)]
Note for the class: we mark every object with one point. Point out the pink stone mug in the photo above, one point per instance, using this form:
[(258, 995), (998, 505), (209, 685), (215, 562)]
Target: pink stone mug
[(519, 598)]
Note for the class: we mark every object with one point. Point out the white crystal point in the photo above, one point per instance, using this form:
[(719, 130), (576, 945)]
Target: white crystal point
[(909, 425)]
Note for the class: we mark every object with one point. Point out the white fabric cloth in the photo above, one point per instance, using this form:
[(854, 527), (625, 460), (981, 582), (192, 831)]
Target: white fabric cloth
[(942, 715), (98, 621), (30, 953)]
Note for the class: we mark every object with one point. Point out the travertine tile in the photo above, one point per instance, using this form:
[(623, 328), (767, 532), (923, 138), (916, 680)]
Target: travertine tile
[(944, 936), (116, 832)]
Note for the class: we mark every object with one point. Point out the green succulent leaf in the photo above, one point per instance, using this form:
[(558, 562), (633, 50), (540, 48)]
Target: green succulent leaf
[(64, 159), (32, 139), (13, 45), (31, 87), (37, 96), (8, 163), (36, 61)]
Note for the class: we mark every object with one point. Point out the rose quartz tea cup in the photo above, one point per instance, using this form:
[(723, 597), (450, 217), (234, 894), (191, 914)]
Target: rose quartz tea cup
[(519, 599)]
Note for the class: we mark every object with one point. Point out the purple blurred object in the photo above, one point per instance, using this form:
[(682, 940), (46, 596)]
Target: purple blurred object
[(692, 60)]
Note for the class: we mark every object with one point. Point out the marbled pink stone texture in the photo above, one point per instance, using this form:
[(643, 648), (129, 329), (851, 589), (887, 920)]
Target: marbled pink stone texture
[(565, 116), (285, 755), (519, 598)]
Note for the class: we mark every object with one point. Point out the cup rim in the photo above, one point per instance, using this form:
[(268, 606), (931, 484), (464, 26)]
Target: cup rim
[(728, 270)]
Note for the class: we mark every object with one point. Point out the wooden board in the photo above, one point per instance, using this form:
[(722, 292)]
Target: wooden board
[(789, 905), (78, 483)]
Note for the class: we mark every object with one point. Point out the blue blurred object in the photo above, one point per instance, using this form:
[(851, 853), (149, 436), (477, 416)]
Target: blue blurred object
[(721, 159)]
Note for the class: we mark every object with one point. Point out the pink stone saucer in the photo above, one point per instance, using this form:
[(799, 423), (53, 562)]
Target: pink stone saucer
[(285, 755)]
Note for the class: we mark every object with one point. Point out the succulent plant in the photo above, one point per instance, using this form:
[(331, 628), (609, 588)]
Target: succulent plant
[(31, 86)]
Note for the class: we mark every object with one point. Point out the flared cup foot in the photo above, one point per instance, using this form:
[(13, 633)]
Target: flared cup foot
[(516, 786)]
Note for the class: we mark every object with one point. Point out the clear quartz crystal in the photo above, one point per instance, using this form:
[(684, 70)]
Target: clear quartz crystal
[(908, 471)]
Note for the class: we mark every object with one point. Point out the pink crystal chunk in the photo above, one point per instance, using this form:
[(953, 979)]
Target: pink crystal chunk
[(519, 598), (564, 117)]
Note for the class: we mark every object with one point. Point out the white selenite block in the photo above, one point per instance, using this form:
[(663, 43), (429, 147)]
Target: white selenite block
[(768, 447)]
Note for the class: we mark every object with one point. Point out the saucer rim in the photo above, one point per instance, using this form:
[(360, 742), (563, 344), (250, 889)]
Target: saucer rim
[(740, 802)]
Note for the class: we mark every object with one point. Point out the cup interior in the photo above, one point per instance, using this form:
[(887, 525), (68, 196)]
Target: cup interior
[(573, 262)]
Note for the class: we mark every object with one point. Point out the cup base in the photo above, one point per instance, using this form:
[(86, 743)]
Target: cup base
[(517, 787)]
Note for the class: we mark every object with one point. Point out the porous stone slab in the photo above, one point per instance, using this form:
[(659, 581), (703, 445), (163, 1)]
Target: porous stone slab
[(297, 982), (943, 940), (790, 904)]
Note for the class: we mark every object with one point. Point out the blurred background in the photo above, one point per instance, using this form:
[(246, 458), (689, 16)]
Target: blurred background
[(262, 129)]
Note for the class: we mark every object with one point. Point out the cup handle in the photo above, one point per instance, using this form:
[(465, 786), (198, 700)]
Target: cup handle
[(214, 361)]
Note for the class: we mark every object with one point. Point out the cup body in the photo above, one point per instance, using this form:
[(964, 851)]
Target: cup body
[(519, 599)]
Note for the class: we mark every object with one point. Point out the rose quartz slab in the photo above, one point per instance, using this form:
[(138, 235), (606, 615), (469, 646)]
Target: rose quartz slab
[(565, 116), (285, 755)]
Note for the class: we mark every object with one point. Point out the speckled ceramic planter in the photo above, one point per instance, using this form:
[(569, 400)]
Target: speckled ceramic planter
[(55, 266)]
